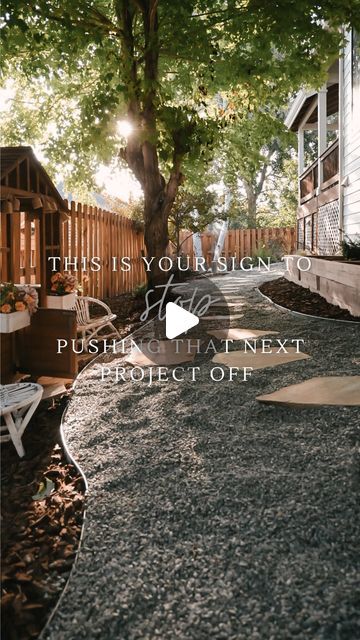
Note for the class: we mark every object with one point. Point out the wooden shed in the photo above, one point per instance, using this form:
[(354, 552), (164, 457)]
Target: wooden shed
[(32, 211)]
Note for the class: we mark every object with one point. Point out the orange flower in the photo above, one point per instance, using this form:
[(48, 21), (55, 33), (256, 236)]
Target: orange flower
[(53, 287), (68, 289), (20, 306), (29, 299), (5, 308)]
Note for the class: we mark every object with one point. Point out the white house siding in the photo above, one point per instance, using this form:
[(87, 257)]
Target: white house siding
[(351, 146)]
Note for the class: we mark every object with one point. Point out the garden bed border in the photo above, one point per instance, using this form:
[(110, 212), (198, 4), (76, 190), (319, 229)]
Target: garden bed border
[(336, 280)]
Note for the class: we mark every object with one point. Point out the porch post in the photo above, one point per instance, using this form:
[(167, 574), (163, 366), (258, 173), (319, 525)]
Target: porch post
[(300, 151), (341, 145), (322, 129)]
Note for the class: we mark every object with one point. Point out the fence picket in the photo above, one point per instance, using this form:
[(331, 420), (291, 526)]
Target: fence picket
[(241, 242)]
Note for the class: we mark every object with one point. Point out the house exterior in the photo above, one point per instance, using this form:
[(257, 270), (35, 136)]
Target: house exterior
[(327, 122)]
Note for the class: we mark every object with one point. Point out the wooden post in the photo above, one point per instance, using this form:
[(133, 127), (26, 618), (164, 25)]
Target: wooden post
[(300, 151), (322, 129), (43, 260)]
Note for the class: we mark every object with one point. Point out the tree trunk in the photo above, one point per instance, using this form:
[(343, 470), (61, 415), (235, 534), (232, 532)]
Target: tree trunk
[(251, 204), (141, 151), (156, 238)]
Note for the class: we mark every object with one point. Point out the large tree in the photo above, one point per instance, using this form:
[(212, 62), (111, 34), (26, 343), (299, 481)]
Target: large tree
[(163, 64), (253, 158)]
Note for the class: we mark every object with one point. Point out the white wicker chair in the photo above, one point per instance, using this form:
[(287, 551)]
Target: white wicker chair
[(18, 403), (89, 327)]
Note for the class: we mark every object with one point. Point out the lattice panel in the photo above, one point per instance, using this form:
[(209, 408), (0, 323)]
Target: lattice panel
[(328, 228), (308, 233), (300, 233), (314, 231)]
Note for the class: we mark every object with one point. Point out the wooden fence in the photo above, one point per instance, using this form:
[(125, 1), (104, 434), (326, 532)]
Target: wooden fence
[(89, 232), (92, 232), (240, 243)]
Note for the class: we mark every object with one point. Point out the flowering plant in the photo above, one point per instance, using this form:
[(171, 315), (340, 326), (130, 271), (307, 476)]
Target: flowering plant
[(63, 283), (22, 298)]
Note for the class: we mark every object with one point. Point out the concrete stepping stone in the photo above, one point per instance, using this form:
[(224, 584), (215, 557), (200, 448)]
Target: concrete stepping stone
[(258, 360), (240, 334), (318, 392), (168, 354), (226, 304), (236, 316)]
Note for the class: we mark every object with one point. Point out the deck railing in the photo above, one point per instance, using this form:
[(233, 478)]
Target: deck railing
[(309, 179), (318, 225)]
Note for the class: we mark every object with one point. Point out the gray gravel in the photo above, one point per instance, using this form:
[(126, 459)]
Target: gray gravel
[(211, 516)]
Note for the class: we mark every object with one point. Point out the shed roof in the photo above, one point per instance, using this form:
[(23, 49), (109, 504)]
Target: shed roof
[(23, 177)]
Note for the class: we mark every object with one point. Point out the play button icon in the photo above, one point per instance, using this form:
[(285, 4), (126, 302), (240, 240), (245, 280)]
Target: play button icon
[(178, 320)]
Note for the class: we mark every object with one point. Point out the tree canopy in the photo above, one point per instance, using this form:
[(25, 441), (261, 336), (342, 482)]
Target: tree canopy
[(179, 72), (87, 64), (253, 158)]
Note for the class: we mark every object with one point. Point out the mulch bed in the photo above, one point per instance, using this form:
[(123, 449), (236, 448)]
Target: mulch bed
[(128, 310), (296, 298), (40, 538)]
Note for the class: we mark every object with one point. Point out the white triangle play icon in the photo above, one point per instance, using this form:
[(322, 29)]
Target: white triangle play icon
[(178, 320)]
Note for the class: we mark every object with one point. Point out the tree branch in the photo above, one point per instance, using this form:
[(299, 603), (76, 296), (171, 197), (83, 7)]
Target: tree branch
[(260, 184)]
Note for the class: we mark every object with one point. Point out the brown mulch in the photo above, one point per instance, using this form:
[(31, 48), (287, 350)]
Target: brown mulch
[(40, 538), (296, 298), (128, 309)]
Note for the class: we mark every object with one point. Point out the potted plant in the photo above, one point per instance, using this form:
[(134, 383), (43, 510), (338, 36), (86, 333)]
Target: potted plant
[(17, 303), (63, 291)]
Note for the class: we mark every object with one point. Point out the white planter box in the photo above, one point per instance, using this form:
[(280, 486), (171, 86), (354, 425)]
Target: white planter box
[(61, 302), (10, 322)]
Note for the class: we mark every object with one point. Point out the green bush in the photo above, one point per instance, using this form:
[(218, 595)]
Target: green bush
[(351, 248), (274, 250), (140, 290)]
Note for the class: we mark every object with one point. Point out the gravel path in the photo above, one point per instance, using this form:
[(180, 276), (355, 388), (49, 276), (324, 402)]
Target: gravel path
[(210, 515)]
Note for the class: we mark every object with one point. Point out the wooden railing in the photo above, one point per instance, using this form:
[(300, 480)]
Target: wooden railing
[(309, 179), (330, 166), (309, 182)]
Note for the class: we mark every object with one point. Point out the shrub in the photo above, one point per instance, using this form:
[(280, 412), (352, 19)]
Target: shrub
[(140, 290), (275, 249), (351, 248)]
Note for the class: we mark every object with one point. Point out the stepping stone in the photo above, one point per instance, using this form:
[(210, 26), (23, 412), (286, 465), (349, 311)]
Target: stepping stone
[(168, 354), (233, 292), (239, 334), (318, 392), (236, 316), (226, 304), (258, 360)]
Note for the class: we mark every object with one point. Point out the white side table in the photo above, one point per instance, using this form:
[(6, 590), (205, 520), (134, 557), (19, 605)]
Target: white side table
[(18, 403)]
